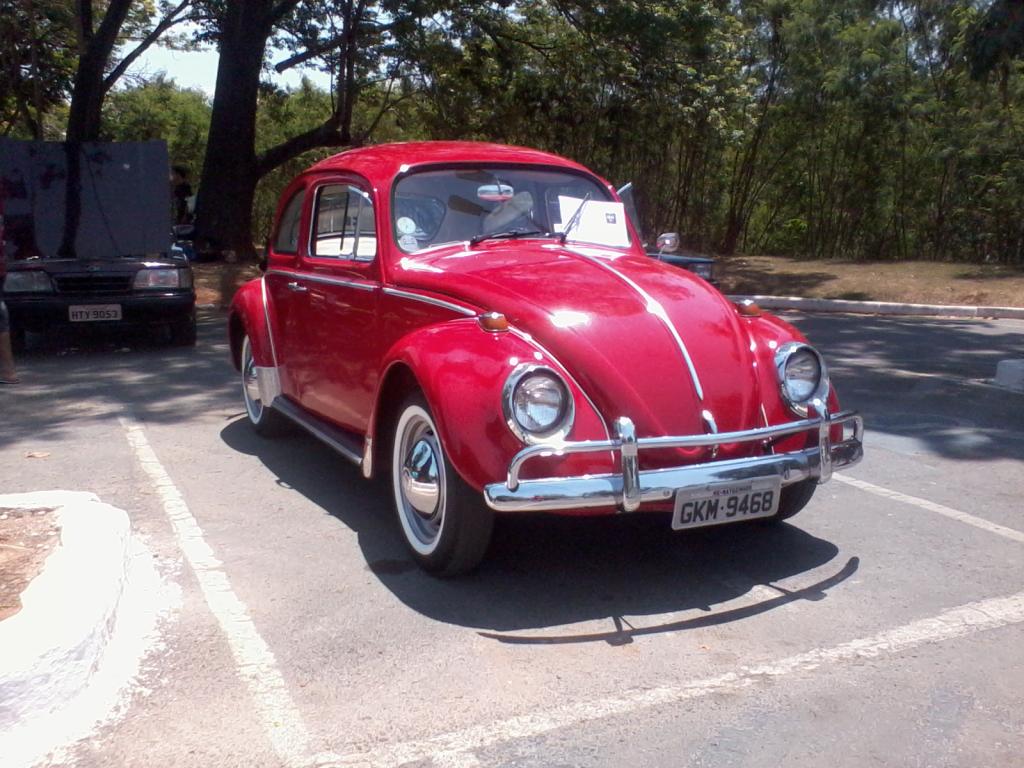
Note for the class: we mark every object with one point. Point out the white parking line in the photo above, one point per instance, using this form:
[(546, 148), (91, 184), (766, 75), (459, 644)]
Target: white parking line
[(253, 657), (931, 506), (957, 622)]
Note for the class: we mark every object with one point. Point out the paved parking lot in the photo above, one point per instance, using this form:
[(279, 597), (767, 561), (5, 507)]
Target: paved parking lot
[(884, 626)]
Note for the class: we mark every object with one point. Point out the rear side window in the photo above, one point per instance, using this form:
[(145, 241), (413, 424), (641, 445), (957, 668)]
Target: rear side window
[(345, 227), (287, 238)]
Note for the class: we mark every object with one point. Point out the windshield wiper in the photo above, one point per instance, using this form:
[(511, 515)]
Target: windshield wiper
[(509, 234), (573, 220)]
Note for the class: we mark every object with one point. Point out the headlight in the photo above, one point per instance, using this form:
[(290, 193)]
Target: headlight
[(802, 375), (159, 278), (704, 271), (537, 403), (27, 281)]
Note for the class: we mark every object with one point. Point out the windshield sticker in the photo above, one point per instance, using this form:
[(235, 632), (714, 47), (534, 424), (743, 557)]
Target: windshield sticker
[(408, 242), (406, 226), (600, 222)]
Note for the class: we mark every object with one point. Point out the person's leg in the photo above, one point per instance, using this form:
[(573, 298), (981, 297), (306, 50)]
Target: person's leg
[(7, 373)]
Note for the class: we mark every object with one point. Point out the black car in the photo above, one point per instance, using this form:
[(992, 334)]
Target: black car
[(701, 266), (47, 293), (668, 244)]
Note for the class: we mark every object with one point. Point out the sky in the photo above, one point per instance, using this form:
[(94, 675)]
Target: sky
[(198, 69)]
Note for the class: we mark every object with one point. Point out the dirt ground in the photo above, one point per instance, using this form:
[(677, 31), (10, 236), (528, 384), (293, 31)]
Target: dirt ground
[(917, 282), (216, 282), (27, 537)]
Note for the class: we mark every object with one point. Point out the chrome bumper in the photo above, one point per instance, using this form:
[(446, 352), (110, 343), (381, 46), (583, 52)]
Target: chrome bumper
[(630, 488)]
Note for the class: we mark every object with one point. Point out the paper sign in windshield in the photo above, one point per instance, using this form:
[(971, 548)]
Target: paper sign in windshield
[(600, 221)]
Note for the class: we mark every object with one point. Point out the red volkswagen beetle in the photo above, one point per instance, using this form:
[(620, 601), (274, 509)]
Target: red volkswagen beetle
[(481, 324)]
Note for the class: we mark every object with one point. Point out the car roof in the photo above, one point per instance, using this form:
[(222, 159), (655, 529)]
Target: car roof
[(382, 162)]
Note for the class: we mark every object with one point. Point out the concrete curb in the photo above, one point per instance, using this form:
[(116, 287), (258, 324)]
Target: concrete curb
[(882, 307), (52, 647)]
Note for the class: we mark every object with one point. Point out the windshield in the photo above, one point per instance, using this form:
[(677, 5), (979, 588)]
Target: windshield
[(453, 205)]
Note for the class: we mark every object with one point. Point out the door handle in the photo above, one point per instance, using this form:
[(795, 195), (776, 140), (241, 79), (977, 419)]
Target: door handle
[(297, 287)]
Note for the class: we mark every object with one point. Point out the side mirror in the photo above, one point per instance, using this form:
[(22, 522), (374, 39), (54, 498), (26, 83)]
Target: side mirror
[(668, 242)]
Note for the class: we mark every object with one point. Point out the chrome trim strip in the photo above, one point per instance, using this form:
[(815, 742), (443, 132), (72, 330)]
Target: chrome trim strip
[(359, 285), (686, 441), (712, 426), (430, 300), (656, 309), (266, 317)]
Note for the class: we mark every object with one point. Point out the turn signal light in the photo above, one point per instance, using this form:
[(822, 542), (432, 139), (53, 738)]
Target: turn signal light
[(495, 322), (748, 308)]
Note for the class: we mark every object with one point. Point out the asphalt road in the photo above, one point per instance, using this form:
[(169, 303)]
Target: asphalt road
[(884, 626)]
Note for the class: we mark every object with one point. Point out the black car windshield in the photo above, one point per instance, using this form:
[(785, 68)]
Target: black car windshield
[(453, 205)]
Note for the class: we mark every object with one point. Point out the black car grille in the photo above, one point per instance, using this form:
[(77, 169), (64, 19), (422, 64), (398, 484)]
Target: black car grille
[(93, 285)]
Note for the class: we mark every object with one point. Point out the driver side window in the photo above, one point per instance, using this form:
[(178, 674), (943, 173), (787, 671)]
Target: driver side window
[(344, 226)]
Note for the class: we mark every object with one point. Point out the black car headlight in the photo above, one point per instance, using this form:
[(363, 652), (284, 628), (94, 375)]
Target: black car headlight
[(537, 404), (163, 278), (703, 271), (28, 281), (803, 376)]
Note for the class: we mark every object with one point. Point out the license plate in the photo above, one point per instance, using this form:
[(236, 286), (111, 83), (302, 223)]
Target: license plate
[(83, 313), (728, 502)]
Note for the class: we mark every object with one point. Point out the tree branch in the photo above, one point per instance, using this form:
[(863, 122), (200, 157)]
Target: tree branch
[(328, 134), (168, 21), (312, 53)]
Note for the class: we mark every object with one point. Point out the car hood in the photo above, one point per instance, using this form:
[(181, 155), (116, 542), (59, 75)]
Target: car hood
[(642, 339)]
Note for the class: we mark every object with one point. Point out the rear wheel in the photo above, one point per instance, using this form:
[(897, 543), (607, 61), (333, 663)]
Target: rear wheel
[(264, 419), (794, 498), (444, 522)]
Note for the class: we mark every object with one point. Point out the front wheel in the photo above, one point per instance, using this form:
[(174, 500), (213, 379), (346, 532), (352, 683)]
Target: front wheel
[(266, 421), (444, 522), (794, 498)]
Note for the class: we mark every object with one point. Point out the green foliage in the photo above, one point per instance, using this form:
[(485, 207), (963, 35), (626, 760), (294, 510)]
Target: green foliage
[(828, 128), (37, 64), (160, 109)]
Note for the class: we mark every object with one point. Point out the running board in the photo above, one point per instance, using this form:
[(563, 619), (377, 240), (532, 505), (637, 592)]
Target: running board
[(346, 443)]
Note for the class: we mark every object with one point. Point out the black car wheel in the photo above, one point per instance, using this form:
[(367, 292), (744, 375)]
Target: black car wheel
[(183, 333)]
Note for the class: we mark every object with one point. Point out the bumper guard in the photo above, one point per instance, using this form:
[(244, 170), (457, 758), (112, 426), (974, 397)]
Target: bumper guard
[(630, 488)]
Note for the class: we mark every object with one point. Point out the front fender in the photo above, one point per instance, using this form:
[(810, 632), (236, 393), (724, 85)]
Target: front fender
[(461, 370), (767, 334), (248, 317)]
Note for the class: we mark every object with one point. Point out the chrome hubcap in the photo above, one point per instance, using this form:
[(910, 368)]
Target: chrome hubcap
[(421, 481), (420, 478)]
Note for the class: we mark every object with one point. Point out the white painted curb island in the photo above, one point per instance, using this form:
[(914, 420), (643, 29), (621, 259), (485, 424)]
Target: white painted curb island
[(881, 307), (50, 649)]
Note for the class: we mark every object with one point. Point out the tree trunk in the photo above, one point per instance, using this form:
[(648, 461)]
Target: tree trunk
[(230, 171), (232, 168)]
